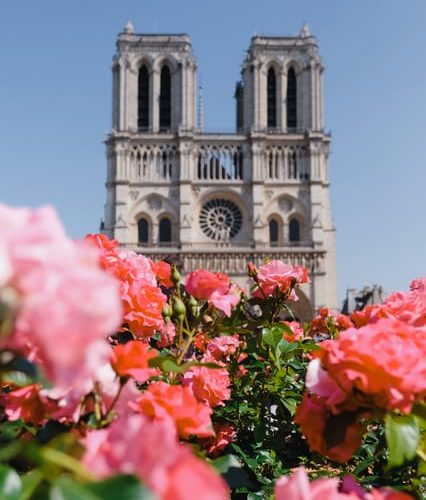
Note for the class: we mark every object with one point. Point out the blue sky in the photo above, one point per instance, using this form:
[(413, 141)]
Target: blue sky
[(55, 108)]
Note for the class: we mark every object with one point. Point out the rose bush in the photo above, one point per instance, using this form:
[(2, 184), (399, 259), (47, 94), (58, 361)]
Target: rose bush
[(121, 379)]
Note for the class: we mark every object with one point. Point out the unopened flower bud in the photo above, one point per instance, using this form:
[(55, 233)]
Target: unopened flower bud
[(251, 270), (176, 276), (179, 308), (167, 311), (193, 304)]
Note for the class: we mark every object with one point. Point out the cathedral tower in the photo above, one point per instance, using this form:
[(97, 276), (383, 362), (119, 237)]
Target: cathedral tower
[(219, 200)]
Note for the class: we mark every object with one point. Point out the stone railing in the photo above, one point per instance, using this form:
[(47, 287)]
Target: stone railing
[(153, 162), (234, 262), (218, 158), (285, 163)]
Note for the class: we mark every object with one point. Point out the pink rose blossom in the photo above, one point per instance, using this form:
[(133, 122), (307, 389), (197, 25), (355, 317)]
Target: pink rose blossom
[(297, 331), (209, 385), (222, 348), (215, 288), (278, 277), (149, 449), (298, 487), (142, 299), (66, 305), (384, 361), (177, 404), (167, 334), (27, 404)]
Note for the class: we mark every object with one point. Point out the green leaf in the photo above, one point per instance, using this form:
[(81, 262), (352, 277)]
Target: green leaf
[(10, 450), (223, 464), (10, 484), (169, 364), (419, 410), (272, 336), (123, 487), (18, 378), (166, 364), (290, 404), (288, 347), (30, 482), (256, 496), (231, 469), (66, 488), (402, 437)]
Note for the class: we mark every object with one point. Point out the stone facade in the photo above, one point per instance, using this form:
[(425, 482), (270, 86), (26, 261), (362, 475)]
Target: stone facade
[(220, 200)]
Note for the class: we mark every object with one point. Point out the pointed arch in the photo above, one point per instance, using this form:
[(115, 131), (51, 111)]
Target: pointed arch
[(143, 98), (272, 98), (293, 230), (165, 230), (165, 98), (273, 232), (143, 231), (291, 98)]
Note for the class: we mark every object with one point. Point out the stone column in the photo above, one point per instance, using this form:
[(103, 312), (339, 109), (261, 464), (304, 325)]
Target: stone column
[(190, 104), (283, 101), (155, 101), (178, 98), (122, 95), (258, 196), (316, 122), (115, 94), (320, 98)]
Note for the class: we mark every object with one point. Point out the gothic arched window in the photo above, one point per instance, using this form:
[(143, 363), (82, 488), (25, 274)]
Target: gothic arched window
[(165, 234), (294, 230), (165, 99), (143, 98), (272, 98), (273, 232), (291, 99), (143, 231)]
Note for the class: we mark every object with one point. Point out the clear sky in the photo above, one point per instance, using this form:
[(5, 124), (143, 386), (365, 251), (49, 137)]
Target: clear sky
[(55, 107)]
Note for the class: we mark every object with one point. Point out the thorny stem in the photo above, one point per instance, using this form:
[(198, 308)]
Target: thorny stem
[(123, 382), (186, 346)]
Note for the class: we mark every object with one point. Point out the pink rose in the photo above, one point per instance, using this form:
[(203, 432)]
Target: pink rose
[(383, 362), (298, 487), (149, 449), (209, 385), (67, 304), (202, 284), (215, 288), (276, 277), (177, 404), (296, 329), (318, 423), (222, 348)]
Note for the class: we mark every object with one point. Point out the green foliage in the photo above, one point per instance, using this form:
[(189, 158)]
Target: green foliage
[(267, 375), (10, 483), (124, 487), (402, 436)]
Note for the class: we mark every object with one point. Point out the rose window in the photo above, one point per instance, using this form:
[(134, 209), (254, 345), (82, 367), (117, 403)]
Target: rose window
[(220, 219)]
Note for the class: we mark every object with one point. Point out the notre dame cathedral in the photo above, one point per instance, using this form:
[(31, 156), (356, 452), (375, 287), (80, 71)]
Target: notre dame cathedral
[(215, 200)]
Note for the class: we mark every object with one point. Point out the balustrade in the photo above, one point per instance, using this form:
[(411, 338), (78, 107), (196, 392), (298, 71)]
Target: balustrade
[(235, 261), (153, 163), (219, 162), (217, 159), (286, 163)]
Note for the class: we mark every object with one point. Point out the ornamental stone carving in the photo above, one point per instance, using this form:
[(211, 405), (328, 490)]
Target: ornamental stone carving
[(223, 194), (155, 202), (220, 219)]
